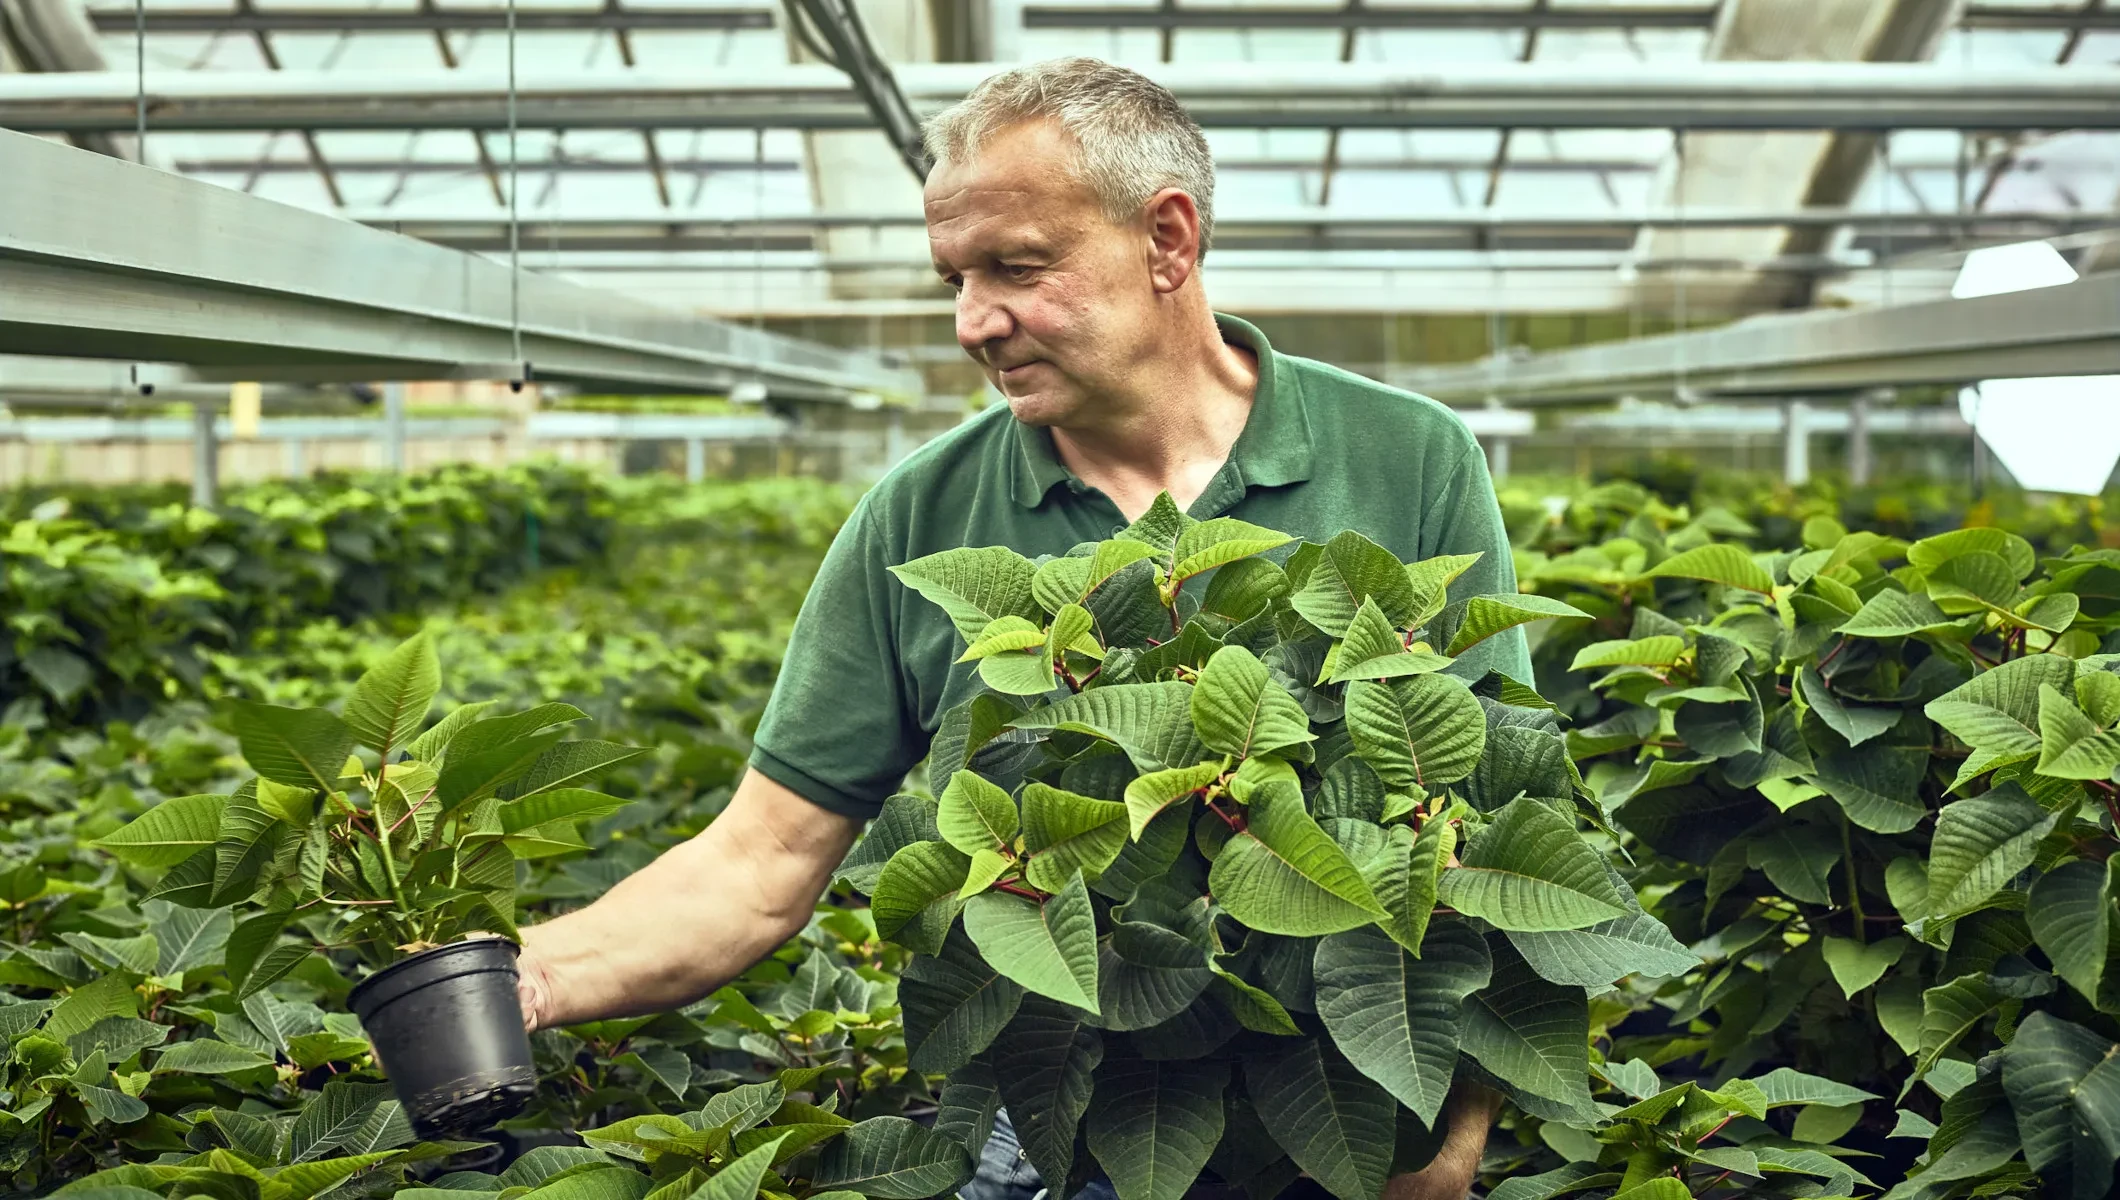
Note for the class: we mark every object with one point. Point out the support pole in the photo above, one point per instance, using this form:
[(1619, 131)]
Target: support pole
[(1498, 458), (205, 454), (695, 460), (1859, 440), (394, 426), (1796, 442)]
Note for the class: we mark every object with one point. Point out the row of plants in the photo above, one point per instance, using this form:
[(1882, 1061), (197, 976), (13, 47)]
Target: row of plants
[(117, 600), (1871, 784), (1794, 882), (175, 901), (1539, 508)]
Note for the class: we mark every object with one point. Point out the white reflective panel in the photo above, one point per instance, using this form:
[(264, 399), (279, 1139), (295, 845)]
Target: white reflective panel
[(1293, 146), (1127, 47), (1415, 47), (1240, 192), (1408, 193), (692, 50), (305, 191), (1544, 192), (1647, 146), (2001, 47), (1396, 145), (1993, 270), (2018, 419), (1255, 45)]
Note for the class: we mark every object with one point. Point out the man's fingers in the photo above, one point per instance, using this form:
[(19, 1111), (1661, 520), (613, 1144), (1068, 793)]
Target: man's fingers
[(534, 993)]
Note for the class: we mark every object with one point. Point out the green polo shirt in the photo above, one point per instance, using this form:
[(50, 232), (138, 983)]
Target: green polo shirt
[(871, 667)]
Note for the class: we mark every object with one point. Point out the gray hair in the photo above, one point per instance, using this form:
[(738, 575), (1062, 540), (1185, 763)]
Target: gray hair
[(1135, 138)]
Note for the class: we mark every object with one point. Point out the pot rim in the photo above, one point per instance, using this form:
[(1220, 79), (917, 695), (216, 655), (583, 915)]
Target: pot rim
[(401, 966)]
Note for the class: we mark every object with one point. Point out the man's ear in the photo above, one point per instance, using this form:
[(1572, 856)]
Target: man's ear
[(1173, 239)]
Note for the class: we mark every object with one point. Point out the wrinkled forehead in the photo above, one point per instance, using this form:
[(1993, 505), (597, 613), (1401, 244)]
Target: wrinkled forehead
[(1021, 177)]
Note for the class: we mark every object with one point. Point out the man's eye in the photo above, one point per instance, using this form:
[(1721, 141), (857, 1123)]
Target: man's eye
[(1016, 271)]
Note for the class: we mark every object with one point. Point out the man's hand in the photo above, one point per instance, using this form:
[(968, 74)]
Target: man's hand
[(691, 920), (1448, 1176)]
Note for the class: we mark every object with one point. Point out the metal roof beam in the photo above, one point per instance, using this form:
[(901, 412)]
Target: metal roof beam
[(106, 259), (2068, 330), (1445, 16), (1736, 95), (428, 19)]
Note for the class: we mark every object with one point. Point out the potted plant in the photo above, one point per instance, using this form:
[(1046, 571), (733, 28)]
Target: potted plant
[(390, 845), (1224, 862)]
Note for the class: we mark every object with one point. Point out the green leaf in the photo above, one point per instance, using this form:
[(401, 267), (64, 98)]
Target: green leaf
[(168, 833), (740, 1179), (1283, 875), (1970, 582), (1477, 618), (2071, 918), (1239, 710), (1424, 731), (1892, 613), (1066, 834), (916, 896), (2098, 694), (1405, 876), (1397, 1017), (1150, 794), (1002, 635), (2070, 746), (1949, 1011), (1530, 870), (1212, 543), (1601, 954), (974, 814), (1798, 860), (1373, 649), (187, 937), (1661, 650), (432, 745), (1431, 579), (1997, 711), (975, 586), (1152, 722), (1877, 786), (108, 996), (954, 1005), (301, 747), (1046, 1084), (1856, 965), (2016, 553), (1857, 723), (1049, 948), (1019, 673), (1352, 569), (1534, 1035), (332, 1120), (2044, 1070), (568, 765), (204, 1056), (1715, 563), (1981, 844), (1334, 1121), (1154, 1124), (892, 1158), (561, 804), (389, 703)]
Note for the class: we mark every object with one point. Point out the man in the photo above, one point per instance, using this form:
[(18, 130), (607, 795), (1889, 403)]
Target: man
[(1070, 208)]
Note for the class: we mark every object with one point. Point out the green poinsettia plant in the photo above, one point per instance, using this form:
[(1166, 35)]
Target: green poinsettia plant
[(369, 832), (1873, 783), (1227, 873)]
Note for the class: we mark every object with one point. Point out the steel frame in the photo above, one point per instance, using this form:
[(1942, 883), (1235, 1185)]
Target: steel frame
[(1747, 95), (107, 259)]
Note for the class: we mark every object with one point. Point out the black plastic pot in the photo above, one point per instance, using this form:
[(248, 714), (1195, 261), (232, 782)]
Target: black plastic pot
[(448, 1030)]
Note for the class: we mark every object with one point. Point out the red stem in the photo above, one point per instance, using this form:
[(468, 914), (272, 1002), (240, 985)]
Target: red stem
[(1013, 890)]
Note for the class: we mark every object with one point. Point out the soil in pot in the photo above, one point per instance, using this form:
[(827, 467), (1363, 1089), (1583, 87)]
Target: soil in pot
[(448, 1031)]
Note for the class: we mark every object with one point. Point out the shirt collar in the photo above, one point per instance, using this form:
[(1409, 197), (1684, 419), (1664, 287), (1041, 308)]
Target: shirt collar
[(1274, 449)]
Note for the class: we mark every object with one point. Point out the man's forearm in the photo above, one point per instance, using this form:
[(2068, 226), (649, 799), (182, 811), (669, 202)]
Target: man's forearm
[(694, 918), (1472, 1108)]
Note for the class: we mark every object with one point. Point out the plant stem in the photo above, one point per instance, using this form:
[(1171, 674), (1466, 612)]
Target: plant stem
[(1013, 890), (1847, 853)]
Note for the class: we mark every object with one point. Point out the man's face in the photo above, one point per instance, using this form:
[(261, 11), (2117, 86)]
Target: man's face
[(1054, 299)]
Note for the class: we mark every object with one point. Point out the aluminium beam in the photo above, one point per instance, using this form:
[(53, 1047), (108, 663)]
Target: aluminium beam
[(2069, 330), (107, 259), (1440, 16), (428, 19), (1719, 95)]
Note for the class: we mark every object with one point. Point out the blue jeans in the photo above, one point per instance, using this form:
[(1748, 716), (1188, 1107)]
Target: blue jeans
[(1005, 1173)]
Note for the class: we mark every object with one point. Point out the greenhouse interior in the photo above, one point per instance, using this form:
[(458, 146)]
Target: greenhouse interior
[(653, 600)]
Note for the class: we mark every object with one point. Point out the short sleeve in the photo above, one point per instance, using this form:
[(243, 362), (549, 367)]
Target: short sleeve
[(1464, 518), (838, 729)]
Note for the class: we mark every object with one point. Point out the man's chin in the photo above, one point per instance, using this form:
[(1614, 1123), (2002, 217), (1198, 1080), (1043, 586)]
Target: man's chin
[(1040, 408)]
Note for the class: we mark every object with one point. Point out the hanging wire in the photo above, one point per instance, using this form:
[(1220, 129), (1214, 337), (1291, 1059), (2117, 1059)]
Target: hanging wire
[(139, 111), (1678, 147), (1884, 206), (520, 368)]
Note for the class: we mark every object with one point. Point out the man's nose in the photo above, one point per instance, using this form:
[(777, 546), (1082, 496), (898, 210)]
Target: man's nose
[(981, 319)]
